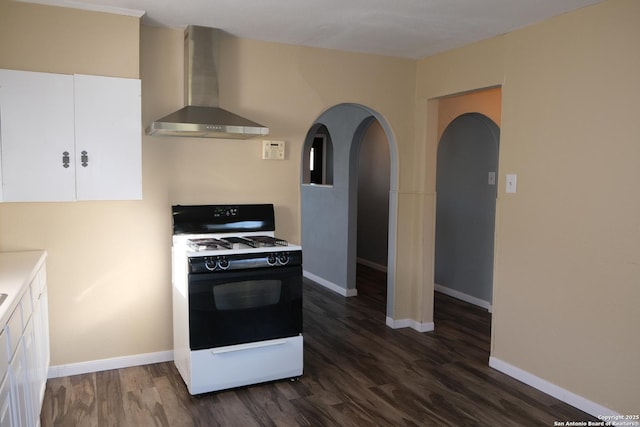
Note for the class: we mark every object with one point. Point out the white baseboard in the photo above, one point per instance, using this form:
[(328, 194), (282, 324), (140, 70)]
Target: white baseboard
[(551, 389), (372, 264), (463, 297), (409, 323), (331, 286), (107, 364)]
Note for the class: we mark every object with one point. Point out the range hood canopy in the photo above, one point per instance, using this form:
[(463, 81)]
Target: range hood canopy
[(202, 117)]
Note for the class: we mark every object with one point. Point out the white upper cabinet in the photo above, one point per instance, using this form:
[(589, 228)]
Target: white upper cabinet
[(108, 138), (67, 137), (36, 129)]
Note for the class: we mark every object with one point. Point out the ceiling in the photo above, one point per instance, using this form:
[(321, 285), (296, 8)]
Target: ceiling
[(400, 28)]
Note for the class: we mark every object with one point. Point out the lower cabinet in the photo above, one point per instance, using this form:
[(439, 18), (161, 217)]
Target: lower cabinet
[(6, 404), (20, 384), (26, 333)]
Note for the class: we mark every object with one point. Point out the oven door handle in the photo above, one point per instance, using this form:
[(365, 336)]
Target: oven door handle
[(248, 346)]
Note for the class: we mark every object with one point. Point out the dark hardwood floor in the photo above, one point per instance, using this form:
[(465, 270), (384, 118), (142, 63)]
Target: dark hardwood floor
[(358, 372)]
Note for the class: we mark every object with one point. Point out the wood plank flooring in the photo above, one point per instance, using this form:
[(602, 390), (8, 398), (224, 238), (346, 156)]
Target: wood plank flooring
[(357, 372)]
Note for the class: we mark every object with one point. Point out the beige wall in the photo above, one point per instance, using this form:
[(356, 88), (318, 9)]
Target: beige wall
[(109, 262), (567, 273), (67, 41), (97, 282)]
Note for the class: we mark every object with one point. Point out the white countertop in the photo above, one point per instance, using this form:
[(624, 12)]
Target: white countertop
[(17, 270)]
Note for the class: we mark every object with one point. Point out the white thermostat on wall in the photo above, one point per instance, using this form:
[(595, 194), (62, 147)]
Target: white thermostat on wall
[(273, 150)]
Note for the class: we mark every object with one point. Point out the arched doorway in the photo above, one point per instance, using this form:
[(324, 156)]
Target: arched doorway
[(329, 212), (466, 188), (373, 199)]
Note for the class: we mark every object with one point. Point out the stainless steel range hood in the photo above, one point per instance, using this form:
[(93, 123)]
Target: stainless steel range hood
[(202, 117)]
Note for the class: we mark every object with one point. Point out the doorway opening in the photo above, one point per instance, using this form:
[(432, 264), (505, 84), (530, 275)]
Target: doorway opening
[(468, 136), (467, 164), (329, 212), (466, 170), (373, 173)]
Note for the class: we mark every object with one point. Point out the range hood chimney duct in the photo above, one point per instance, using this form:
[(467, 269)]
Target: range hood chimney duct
[(202, 117)]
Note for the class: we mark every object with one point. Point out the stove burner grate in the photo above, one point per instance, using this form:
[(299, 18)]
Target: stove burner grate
[(211, 243), (257, 241), (269, 241)]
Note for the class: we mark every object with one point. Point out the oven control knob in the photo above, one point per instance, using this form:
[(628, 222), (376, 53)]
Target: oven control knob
[(271, 259), (283, 258), (223, 263), (210, 263)]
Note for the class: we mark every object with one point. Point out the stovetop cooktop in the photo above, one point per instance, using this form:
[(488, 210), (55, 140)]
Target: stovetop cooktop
[(235, 242)]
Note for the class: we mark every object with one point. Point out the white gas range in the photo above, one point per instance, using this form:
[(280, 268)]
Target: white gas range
[(237, 297)]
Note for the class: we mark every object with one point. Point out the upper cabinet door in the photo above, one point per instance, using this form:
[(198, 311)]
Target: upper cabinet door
[(108, 130), (36, 136)]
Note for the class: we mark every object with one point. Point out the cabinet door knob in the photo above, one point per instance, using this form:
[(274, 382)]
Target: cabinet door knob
[(84, 159), (65, 159)]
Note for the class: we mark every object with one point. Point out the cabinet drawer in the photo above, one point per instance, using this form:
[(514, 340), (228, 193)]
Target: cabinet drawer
[(41, 278), (37, 285), (35, 291), (27, 307), (4, 353), (240, 365), (14, 330)]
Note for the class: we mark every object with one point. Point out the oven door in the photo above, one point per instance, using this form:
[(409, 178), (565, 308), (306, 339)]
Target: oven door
[(242, 306)]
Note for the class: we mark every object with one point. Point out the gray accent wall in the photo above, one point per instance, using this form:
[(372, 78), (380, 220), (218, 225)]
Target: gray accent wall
[(328, 237), (466, 206)]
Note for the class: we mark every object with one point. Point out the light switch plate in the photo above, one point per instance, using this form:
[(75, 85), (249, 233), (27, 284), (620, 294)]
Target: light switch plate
[(492, 178), (272, 150), (512, 180)]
